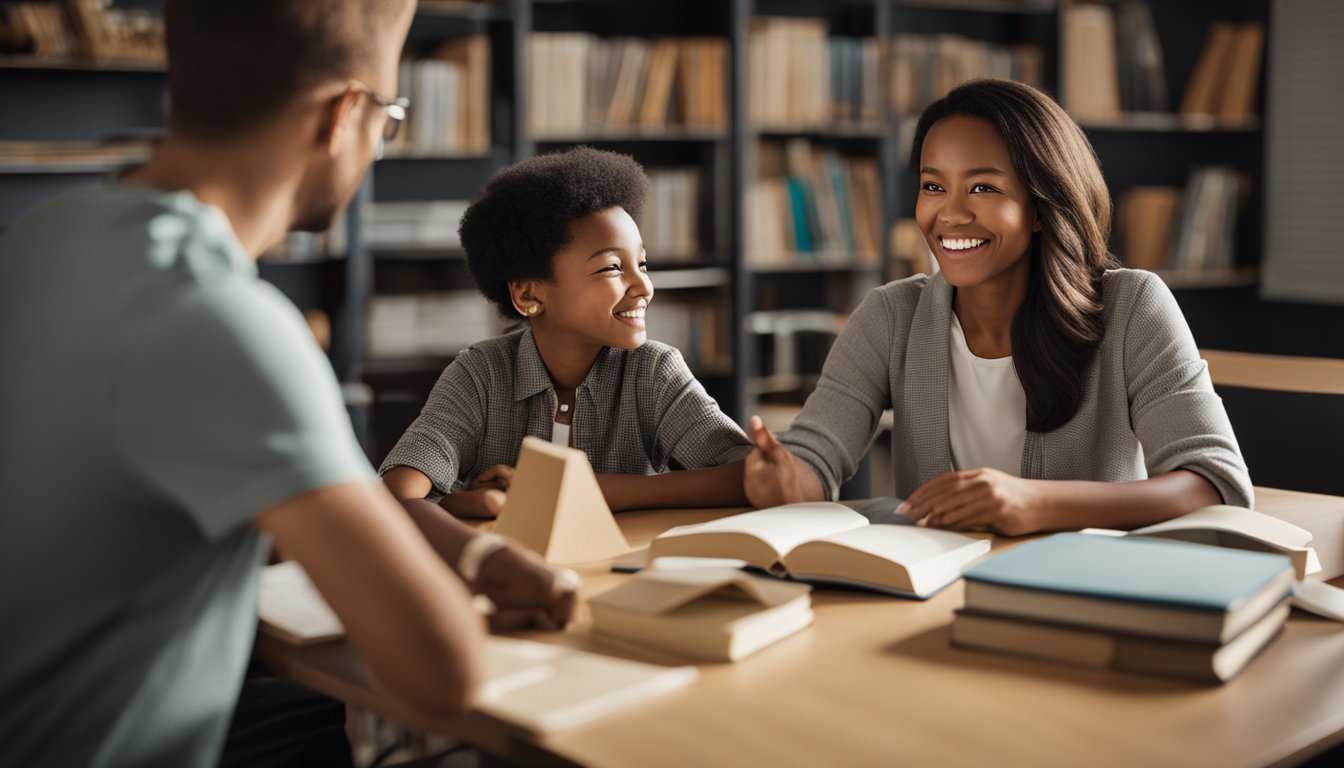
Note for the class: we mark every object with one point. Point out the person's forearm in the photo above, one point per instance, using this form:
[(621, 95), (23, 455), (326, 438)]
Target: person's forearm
[(1070, 505), (445, 533), (719, 486)]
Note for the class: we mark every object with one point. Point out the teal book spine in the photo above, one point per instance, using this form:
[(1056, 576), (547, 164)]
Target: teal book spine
[(798, 203)]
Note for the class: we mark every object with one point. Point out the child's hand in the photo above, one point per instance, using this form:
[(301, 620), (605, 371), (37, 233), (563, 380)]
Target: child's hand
[(479, 504), (976, 500), (499, 476), (770, 477), (527, 592)]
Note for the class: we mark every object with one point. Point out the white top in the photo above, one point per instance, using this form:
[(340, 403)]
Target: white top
[(560, 434), (986, 409)]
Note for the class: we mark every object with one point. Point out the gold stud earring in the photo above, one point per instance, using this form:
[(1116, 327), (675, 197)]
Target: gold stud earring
[(532, 310)]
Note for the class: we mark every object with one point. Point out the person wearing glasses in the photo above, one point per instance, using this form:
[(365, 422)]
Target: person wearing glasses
[(167, 416)]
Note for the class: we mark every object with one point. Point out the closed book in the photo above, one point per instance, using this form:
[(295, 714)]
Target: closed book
[(1146, 215), (1210, 662), (1091, 87), (716, 614), (1142, 586), (828, 543)]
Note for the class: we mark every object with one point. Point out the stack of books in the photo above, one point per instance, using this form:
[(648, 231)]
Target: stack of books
[(1129, 604), (712, 614)]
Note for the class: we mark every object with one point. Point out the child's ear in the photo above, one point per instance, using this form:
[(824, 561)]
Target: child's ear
[(528, 296)]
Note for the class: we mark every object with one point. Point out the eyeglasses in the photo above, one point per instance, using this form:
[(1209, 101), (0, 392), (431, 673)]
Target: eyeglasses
[(396, 113)]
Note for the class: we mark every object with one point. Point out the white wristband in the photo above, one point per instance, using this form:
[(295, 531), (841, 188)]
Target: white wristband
[(474, 554)]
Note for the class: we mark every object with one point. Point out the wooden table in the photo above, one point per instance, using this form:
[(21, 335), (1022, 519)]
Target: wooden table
[(875, 682)]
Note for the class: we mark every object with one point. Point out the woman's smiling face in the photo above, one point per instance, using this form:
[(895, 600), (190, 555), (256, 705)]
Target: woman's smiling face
[(974, 210)]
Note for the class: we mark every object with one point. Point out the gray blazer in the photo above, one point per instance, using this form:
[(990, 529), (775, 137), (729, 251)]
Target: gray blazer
[(1147, 399)]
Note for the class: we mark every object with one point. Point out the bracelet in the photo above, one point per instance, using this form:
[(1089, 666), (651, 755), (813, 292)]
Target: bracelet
[(474, 554)]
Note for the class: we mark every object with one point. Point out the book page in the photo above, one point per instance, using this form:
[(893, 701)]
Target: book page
[(545, 688), (907, 558), (290, 606), (779, 529), (1237, 520)]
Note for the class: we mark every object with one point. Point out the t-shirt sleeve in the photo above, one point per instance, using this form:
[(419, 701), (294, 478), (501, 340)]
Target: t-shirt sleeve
[(225, 403), (444, 438), (691, 428), (1178, 418)]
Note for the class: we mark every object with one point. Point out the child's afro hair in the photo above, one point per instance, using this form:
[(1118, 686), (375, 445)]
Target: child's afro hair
[(522, 218)]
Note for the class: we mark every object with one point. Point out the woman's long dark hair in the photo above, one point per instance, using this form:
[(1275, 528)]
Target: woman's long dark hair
[(1059, 326)]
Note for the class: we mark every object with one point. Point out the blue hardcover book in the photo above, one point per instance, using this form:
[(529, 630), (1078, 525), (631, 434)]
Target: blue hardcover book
[(1143, 586), (802, 218)]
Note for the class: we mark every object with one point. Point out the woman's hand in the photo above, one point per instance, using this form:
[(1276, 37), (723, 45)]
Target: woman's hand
[(977, 500), (771, 476)]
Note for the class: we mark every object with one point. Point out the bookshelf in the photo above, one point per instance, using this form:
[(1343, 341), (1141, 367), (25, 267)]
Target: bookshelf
[(707, 148)]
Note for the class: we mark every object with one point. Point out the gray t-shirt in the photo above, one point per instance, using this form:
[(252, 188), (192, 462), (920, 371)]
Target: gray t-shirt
[(636, 411), (156, 397)]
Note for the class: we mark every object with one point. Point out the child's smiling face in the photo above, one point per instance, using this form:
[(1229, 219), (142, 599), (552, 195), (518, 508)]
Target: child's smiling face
[(600, 286), (974, 210)]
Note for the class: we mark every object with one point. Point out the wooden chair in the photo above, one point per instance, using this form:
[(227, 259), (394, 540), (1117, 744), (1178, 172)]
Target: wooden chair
[(1288, 414)]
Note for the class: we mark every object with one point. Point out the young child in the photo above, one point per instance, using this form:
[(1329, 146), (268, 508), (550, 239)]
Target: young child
[(555, 240), (1033, 388)]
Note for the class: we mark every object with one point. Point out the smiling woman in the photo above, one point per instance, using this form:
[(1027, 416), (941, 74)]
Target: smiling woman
[(555, 241), (1033, 388)]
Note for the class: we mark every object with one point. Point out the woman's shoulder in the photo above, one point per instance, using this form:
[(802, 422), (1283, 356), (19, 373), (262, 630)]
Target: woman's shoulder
[(906, 289), (1128, 282), (1125, 290), (896, 300)]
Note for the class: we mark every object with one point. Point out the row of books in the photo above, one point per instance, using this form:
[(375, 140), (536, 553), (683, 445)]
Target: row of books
[(88, 29), (450, 100), (672, 214), (1191, 230), (924, 68), (1114, 65), (670, 228), (580, 83), (413, 225), (1226, 80), (800, 78), (697, 326), (812, 206), (427, 324)]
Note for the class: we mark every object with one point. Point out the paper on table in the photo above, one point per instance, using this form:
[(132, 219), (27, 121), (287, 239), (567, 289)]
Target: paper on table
[(1320, 598)]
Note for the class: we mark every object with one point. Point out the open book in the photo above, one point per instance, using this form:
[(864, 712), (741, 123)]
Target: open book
[(828, 543), (1237, 528), (719, 614), (536, 687)]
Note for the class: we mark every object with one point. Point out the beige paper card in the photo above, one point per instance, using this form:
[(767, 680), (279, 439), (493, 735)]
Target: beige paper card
[(556, 508)]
